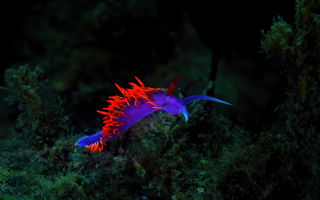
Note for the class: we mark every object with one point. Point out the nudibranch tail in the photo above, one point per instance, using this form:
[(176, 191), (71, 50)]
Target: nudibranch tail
[(92, 142)]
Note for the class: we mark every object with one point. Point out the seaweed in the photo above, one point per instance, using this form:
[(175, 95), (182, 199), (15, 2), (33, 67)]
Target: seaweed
[(41, 120)]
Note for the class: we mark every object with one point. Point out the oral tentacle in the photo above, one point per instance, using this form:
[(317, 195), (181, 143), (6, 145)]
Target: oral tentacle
[(184, 111)]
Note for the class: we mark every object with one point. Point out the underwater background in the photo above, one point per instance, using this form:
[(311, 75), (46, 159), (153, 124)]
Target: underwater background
[(60, 60)]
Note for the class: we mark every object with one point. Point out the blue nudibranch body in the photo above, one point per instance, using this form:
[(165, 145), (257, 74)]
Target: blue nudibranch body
[(135, 104)]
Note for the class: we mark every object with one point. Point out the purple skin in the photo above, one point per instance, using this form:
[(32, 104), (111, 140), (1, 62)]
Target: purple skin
[(170, 104)]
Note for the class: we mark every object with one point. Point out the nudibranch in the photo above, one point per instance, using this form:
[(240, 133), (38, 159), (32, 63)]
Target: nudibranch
[(137, 103)]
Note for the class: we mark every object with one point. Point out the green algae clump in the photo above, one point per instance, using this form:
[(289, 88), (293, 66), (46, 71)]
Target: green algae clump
[(41, 120)]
